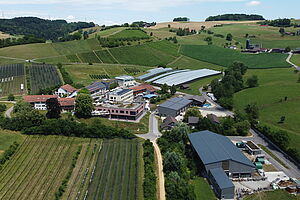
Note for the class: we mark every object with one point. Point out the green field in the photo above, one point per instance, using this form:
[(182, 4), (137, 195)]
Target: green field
[(89, 57), (42, 77), (296, 60), (275, 84), (105, 57), (269, 37), (161, 33), (273, 195), (202, 189), (38, 167), (118, 173), (80, 73), (10, 61), (7, 138), (128, 33), (225, 57)]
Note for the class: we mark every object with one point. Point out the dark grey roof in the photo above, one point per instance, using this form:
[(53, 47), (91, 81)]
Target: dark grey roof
[(193, 120), (121, 92), (96, 86), (176, 103), (168, 122), (212, 148), (201, 99), (221, 178)]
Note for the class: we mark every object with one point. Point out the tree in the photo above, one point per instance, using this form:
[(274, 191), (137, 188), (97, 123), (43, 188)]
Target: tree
[(242, 128), (151, 34), (2, 108), (282, 119), (22, 106), (202, 28), (84, 91), (53, 108), (252, 81), (252, 111), (281, 31), (84, 106), (229, 37), (226, 102), (173, 89), (85, 35), (288, 49), (11, 97), (172, 162), (164, 89)]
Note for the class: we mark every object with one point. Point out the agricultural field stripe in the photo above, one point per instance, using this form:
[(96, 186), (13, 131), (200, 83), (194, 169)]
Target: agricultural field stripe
[(139, 172), (113, 56), (33, 183), (14, 166), (110, 186), (35, 168), (78, 57), (123, 171), (62, 168), (174, 61), (125, 189), (133, 166), (17, 174), (97, 56)]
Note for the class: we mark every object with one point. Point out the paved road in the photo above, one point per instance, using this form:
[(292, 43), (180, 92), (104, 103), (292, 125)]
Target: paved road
[(289, 61), (8, 112), (153, 135)]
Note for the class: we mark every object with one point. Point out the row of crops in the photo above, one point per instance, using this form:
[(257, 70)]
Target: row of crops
[(43, 76), (38, 168), (131, 70), (12, 79), (99, 76), (118, 171)]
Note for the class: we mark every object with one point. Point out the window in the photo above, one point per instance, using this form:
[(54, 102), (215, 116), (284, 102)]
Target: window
[(121, 111)]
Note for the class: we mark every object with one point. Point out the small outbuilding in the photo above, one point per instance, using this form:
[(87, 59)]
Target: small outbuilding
[(168, 123)]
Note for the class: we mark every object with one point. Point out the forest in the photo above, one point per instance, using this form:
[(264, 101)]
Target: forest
[(234, 17)]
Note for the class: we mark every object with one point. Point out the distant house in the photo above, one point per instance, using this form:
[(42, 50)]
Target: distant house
[(278, 50), (297, 51), (173, 107), (125, 81), (97, 88), (121, 96), (197, 100), (143, 88), (213, 118), (168, 123), (38, 102), (66, 91)]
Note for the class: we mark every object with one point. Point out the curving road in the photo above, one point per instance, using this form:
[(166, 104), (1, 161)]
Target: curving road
[(290, 62)]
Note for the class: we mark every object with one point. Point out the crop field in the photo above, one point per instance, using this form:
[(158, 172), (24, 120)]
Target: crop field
[(80, 73), (118, 172), (225, 57), (272, 195), (274, 85), (269, 37), (53, 60), (161, 33), (38, 167), (198, 39), (42, 77), (109, 32), (142, 55), (127, 33), (89, 57), (11, 78), (105, 57), (296, 60), (7, 138), (73, 58), (4, 61)]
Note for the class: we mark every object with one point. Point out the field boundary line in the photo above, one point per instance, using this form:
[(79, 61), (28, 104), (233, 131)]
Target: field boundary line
[(178, 51), (174, 61), (60, 75), (113, 56), (98, 56), (79, 58), (11, 58)]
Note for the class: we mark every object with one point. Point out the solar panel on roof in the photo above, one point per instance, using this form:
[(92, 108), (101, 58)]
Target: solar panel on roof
[(166, 74), (184, 77)]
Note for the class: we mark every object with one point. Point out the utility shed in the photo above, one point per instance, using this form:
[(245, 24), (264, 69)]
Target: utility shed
[(223, 187), (173, 107), (217, 151)]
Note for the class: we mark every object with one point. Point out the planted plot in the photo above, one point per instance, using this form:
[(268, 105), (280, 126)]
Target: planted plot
[(89, 57), (42, 77), (73, 58), (38, 167), (99, 76), (117, 171), (12, 79), (131, 70), (105, 57)]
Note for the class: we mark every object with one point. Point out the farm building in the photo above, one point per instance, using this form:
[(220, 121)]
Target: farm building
[(173, 107), (125, 81), (168, 123), (125, 112), (222, 185), (38, 102), (97, 88), (213, 118), (221, 159), (217, 151), (66, 91), (121, 95), (143, 88), (166, 74), (153, 72), (197, 100)]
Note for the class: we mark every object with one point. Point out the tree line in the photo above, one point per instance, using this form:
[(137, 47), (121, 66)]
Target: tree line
[(235, 17), (181, 19), (149, 184), (27, 39)]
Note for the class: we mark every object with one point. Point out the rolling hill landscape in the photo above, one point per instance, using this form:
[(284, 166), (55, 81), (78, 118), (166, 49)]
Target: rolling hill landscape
[(85, 156)]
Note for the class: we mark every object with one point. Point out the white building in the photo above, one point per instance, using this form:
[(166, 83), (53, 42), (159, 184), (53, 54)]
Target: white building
[(125, 81), (66, 91), (121, 96)]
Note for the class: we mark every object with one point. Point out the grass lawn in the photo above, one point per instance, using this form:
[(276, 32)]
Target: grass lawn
[(275, 84), (4, 61), (272, 155), (225, 57), (272, 195), (136, 128), (108, 32), (269, 37), (80, 72), (198, 39), (7, 138), (129, 34), (202, 189), (296, 59)]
